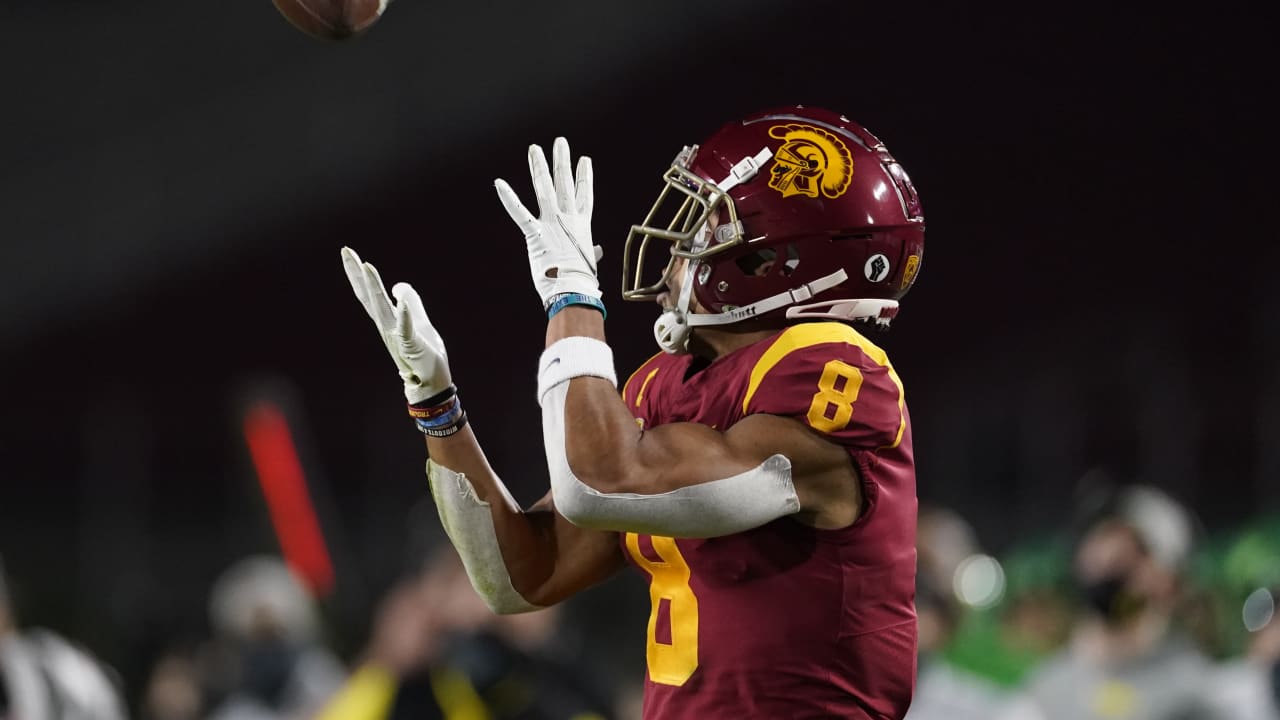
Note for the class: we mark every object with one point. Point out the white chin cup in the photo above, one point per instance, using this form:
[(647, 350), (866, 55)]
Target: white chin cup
[(671, 330)]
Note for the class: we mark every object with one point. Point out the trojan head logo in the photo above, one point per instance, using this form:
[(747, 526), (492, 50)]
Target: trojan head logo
[(810, 161)]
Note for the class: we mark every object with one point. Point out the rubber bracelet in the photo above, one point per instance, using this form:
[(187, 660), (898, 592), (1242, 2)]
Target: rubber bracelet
[(437, 399), (564, 300), (426, 413), (446, 431), (441, 420)]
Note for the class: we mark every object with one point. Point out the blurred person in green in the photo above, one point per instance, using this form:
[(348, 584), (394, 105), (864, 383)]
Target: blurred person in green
[(1126, 660), (944, 690), (438, 653), (44, 676), (1013, 631), (1247, 687)]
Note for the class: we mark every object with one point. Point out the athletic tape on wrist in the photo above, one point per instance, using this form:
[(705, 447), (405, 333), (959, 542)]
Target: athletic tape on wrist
[(573, 357), (564, 300)]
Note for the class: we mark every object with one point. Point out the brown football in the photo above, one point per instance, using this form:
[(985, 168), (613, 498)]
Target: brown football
[(331, 19)]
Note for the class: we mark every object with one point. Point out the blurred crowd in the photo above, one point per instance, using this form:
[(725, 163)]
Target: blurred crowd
[(1131, 610)]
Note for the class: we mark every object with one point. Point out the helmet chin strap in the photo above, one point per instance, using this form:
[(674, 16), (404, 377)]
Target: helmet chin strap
[(674, 326)]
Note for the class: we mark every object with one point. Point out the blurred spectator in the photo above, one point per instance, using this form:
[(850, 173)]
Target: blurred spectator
[(45, 677), (438, 652), (1125, 660), (1037, 614), (1248, 688), (944, 542), (265, 661)]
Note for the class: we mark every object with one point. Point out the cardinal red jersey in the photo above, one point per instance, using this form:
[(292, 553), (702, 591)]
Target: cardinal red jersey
[(787, 621)]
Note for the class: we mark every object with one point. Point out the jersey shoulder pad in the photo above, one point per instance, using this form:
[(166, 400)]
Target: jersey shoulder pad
[(832, 378)]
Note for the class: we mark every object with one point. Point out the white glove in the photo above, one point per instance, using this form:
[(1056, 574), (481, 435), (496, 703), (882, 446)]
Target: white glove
[(409, 336), (561, 256)]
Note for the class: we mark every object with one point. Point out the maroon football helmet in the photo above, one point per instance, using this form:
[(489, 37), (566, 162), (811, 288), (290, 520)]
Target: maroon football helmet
[(796, 212)]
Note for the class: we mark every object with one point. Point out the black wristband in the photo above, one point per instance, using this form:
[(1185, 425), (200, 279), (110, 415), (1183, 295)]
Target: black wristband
[(439, 398)]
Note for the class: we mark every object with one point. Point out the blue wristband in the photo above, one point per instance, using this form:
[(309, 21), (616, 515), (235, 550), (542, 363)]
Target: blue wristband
[(564, 300), (438, 422)]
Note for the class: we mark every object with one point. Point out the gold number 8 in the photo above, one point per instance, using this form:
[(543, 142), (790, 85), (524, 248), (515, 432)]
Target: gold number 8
[(828, 395), (669, 663)]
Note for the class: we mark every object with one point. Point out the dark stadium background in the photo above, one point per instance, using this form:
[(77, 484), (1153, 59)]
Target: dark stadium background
[(177, 179)]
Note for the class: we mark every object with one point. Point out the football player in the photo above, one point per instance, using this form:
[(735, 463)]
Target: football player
[(759, 469)]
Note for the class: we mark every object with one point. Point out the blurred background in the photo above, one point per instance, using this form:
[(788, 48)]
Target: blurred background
[(189, 384)]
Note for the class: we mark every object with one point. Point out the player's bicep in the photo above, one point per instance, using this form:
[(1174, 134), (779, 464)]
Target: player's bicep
[(688, 454), (689, 480)]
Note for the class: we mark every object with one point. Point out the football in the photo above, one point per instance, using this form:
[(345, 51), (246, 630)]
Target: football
[(331, 19)]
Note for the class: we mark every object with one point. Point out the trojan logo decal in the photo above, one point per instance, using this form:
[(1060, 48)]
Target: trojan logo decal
[(909, 272), (810, 161)]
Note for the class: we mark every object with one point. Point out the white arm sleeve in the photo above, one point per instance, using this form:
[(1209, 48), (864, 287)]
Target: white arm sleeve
[(712, 509), (469, 525)]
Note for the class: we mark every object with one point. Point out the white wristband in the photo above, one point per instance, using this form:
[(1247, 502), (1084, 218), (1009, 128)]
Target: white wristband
[(573, 357)]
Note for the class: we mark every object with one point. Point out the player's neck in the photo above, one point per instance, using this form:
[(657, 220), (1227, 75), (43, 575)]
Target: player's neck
[(713, 343)]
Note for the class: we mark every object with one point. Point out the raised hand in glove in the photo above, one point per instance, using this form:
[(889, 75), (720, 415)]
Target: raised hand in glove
[(412, 341), (562, 258)]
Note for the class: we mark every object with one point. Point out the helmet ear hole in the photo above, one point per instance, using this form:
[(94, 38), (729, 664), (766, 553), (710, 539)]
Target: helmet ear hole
[(792, 262), (763, 261), (758, 263)]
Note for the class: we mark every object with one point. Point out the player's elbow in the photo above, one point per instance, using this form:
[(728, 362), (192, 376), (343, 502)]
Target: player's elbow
[(576, 501), (594, 484), (584, 505)]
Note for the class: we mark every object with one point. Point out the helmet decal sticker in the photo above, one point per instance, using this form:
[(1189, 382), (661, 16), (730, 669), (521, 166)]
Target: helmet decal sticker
[(909, 272), (810, 161), (877, 268)]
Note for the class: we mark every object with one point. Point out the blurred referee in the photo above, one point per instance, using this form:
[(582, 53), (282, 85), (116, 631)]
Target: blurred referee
[(42, 675)]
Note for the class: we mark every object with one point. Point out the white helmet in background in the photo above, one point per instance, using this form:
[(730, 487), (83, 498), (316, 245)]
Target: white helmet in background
[(261, 593)]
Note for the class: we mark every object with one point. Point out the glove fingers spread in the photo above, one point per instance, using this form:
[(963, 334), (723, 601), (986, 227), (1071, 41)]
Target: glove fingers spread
[(355, 276), (562, 257), (527, 223), (381, 309), (561, 167), (585, 190), (543, 187)]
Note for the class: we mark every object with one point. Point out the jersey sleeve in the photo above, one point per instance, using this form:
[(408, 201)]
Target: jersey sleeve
[(834, 380)]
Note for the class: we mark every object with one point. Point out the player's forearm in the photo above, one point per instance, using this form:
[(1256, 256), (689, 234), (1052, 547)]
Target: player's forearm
[(461, 452), (575, 321), (600, 434), (527, 550)]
